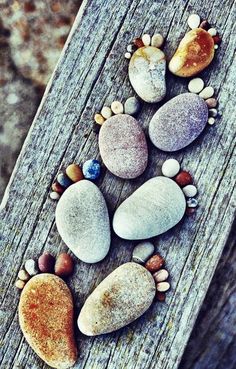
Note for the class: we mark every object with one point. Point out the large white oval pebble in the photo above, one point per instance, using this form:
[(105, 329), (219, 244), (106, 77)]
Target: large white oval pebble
[(207, 92), (147, 70), (118, 300), (194, 21), (196, 85), (190, 190), (82, 221), (170, 168), (155, 207)]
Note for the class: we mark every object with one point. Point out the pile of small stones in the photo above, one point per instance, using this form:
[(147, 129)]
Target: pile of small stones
[(171, 169), (91, 170), (194, 21), (196, 85), (143, 254), (156, 40), (62, 266), (132, 106)]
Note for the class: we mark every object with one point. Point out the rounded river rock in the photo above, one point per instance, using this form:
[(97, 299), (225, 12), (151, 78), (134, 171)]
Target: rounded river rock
[(154, 208), (147, 69), (178, 122), (123, 146), (83, 222), (46, 319), (118, 300)]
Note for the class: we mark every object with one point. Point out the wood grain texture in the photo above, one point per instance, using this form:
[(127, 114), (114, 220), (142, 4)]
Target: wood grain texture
[(90, 73), (213, 341)]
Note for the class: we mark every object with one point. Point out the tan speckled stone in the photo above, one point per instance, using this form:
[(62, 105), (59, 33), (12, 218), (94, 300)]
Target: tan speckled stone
[(118, 300)]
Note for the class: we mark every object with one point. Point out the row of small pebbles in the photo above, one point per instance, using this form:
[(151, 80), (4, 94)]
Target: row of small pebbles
[(156, 40), (143, 254), (91, 170), (131, 106), (196, 85), (171, 169), (63, 266)]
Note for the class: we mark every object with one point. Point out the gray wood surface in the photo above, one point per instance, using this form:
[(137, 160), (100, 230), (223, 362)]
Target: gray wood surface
[(91, 72), (212, 344)]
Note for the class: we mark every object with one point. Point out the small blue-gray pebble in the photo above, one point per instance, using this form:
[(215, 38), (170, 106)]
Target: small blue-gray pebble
[(132, 106), (142, 252), (63, 180), (192, 203), (91, 169)]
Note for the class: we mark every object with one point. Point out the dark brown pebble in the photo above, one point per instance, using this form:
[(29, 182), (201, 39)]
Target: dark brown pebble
[(217, 39), (190, 211), (57, 187), (46, 263), (183, 178), (205, 25), (160, 296), (155, 263), (138, 42)]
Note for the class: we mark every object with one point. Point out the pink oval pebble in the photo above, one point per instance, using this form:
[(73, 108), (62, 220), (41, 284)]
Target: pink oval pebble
[(123, 146)]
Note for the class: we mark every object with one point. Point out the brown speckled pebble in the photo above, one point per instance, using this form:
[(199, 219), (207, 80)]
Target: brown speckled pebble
[(46, 320), (155, 263), (123, 146), (64, 265)]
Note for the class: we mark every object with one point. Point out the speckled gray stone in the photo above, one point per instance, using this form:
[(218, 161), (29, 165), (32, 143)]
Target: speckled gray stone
[(82, 221), (178, 122), (118, 300), (132, 106), (147, 70), (123, 146), (155, 207)]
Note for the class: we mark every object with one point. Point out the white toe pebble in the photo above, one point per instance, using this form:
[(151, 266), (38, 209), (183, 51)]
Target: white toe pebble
[(54, 195), (163, 286), (117, 107), (213, 112), (157, 40), (146, 39), (207, 92), (128, 55), (106, 112), (190, 191), (194, 21), (216, 47), (161, 275), (170, 168), (212, 31), (196, 85), (211, 121)]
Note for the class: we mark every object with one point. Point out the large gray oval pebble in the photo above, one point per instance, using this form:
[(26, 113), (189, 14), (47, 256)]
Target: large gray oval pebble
[(123, 146), (155, 207), (178, 122), (82, 221), (118, 300), (147, 70)]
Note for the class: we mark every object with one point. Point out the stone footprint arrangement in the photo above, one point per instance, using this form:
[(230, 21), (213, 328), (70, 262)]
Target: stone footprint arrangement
[(46, 306)]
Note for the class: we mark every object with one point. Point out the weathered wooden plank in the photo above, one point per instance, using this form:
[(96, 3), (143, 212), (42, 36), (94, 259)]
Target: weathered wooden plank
[(92, 72), (212, 343)]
